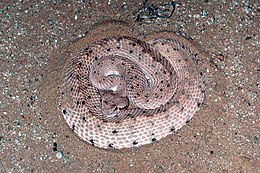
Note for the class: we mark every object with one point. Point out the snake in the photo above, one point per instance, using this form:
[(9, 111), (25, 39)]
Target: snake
[(122, 92)]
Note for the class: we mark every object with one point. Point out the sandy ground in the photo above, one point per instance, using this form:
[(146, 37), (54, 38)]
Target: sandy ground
[(36, 39)]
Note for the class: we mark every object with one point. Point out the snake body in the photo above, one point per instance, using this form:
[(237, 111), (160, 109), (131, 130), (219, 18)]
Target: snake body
[(121, 92)]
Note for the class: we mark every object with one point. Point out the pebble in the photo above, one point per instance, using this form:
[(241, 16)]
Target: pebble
[(28, 40), (220, 57), (59, 154)]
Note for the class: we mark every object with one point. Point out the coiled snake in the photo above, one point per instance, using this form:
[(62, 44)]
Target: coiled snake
[(121, 92)]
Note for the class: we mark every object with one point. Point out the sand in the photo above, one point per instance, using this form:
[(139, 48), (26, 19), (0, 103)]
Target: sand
[(36, 39)]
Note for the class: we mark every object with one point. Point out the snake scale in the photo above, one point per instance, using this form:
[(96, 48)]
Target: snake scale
[(122, 92)]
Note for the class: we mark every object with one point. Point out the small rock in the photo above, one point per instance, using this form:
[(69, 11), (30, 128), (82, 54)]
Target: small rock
[(54, 146), (59, 155), (203, 13), (220, 57)]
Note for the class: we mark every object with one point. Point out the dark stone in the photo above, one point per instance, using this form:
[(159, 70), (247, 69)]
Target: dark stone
[(248, 37)]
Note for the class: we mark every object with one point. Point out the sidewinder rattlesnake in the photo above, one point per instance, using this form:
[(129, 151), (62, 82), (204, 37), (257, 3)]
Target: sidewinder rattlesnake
[(121, 92)]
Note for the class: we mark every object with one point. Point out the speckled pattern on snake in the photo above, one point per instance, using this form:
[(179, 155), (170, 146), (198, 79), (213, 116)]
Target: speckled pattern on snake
[(121, 92)]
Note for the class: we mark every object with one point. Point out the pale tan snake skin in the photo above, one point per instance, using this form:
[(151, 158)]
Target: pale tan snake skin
[(121, 92)]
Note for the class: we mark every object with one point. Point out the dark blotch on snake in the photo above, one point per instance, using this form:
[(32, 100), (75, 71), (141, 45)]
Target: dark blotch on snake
[(173, 129), (135, 143), (64, 112), (110, 145), (114, 131), (187, 121), (92, 142)]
